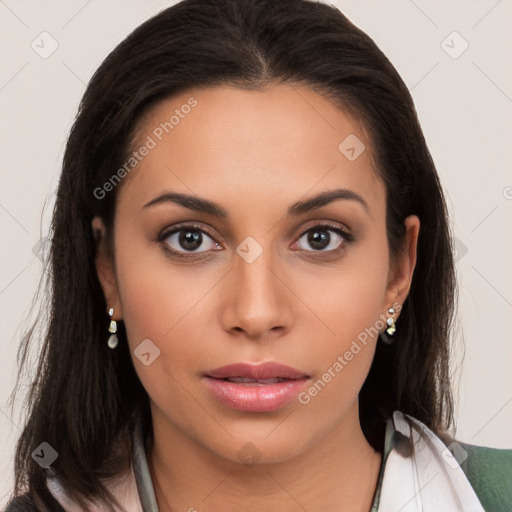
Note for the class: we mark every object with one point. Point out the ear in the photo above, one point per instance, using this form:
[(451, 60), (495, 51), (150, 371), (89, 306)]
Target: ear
[(400, 275), (105, 269)]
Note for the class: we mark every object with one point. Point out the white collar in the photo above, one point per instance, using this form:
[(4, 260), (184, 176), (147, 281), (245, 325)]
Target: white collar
[(421, 473)]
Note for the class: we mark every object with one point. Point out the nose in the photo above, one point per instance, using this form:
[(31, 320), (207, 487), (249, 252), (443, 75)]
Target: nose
[(258, 304)]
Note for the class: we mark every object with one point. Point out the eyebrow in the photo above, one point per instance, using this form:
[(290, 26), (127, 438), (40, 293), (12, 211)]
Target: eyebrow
[(299, 208)]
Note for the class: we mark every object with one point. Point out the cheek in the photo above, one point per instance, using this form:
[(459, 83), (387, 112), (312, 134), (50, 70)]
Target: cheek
[(167, 318), (349, 303), (161, 303), (155, 292), (350, 299)]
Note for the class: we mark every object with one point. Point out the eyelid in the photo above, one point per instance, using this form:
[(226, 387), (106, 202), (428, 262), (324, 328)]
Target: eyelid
[(340, 229), (182, 225)]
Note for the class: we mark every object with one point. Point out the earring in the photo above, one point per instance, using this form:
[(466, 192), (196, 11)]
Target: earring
[(390, 330), (112, 341)]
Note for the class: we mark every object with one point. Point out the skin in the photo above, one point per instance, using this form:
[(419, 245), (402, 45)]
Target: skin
[(255, 153)]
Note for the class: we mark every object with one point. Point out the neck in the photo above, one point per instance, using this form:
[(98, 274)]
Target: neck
[(338, 473)]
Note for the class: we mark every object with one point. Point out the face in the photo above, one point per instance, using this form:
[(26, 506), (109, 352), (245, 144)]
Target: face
[(265, 277)]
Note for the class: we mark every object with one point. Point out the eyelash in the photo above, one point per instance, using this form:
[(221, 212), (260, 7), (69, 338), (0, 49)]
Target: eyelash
[(347, 237)]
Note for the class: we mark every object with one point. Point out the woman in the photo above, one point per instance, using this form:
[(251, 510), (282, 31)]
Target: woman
[(252, 282)]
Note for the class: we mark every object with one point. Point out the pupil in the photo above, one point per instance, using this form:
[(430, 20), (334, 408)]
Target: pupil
[(190, 240), (318, 238)]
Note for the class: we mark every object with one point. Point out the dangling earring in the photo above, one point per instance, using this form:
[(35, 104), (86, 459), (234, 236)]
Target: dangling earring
[(112, 341), (390, 330)]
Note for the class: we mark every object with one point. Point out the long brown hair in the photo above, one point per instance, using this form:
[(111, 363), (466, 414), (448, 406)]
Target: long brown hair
[(84, 398)]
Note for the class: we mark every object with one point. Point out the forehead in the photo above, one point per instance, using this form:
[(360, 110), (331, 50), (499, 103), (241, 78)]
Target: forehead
[(281, 141)]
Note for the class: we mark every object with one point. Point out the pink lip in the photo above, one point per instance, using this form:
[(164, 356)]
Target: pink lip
[(255, 396), (268, 370)]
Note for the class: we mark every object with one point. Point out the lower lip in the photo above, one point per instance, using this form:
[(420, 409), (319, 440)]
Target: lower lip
[(255, 397)]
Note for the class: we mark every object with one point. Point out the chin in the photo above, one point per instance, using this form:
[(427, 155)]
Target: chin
[(258, 446)]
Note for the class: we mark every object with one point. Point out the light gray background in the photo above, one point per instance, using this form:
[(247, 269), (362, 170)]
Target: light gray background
[(464, 104)]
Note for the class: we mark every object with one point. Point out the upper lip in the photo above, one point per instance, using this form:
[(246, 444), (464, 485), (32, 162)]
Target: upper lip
[(266, 370)]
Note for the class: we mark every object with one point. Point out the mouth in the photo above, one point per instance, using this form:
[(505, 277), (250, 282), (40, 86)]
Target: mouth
[(262, 382), (260, 387)]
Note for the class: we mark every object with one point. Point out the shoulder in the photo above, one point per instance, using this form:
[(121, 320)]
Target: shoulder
[(489, 471), (25, 503), (22, 503), (486, 471)]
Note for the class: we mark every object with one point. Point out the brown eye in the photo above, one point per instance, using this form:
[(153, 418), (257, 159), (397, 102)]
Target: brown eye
[(324, 238), (188, 239)]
